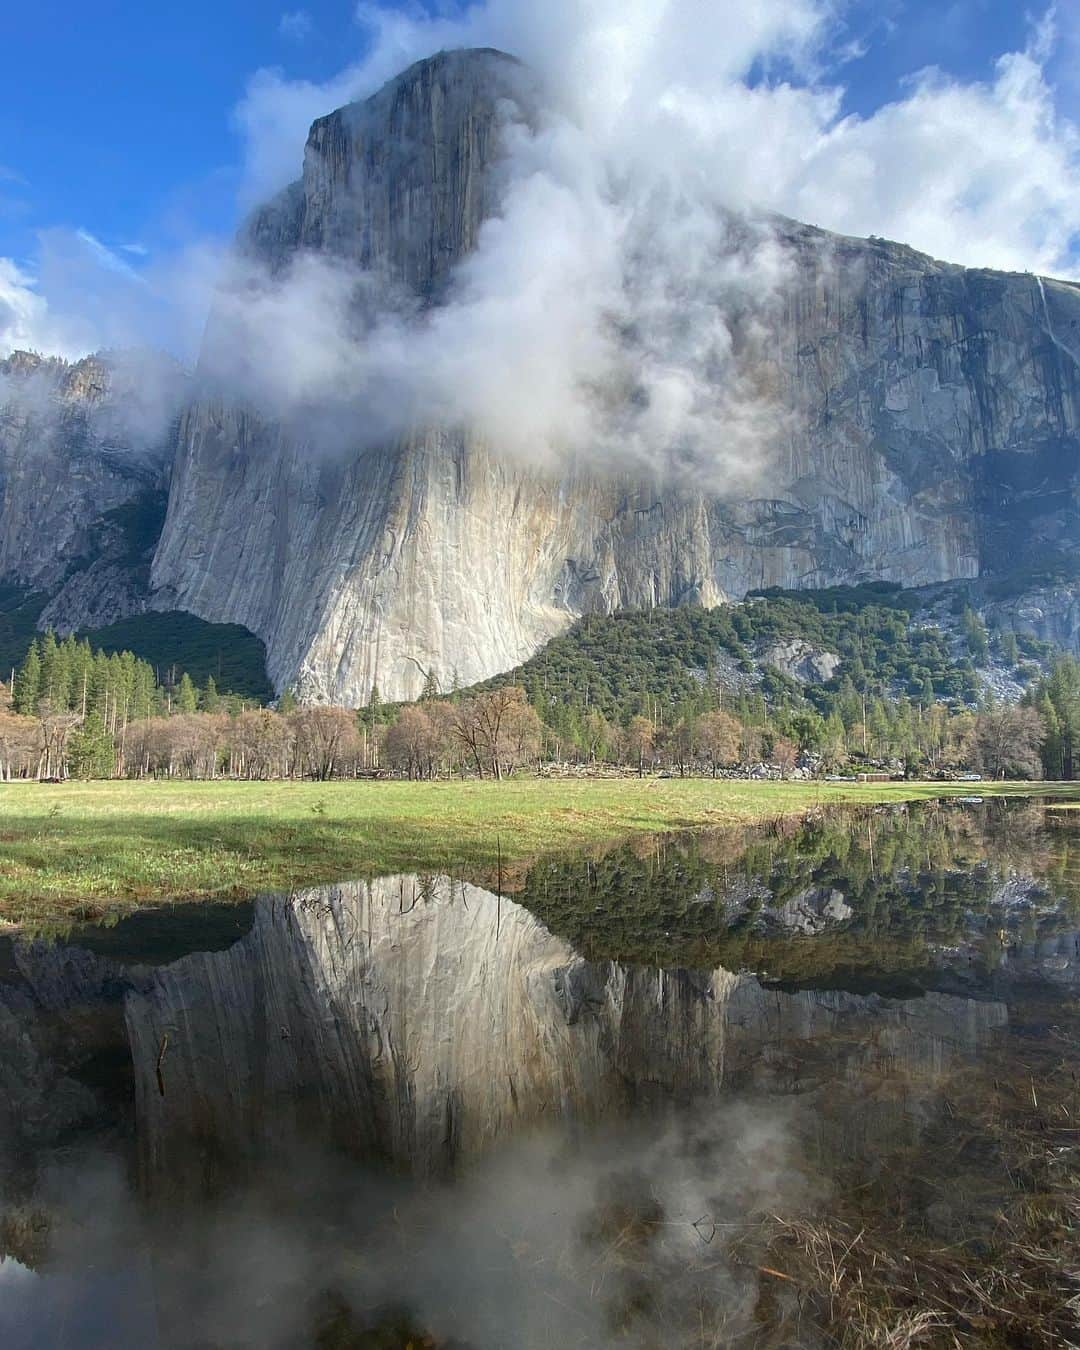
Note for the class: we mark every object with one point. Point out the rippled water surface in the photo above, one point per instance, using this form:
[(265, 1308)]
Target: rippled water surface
[(668, 1095)]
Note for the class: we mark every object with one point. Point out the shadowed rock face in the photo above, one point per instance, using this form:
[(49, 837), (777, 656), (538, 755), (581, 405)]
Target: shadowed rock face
[(935, 425), (423, 1020), (83, 458)]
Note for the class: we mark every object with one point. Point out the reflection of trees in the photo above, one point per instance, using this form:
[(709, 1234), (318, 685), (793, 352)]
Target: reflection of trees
[(914, 879)]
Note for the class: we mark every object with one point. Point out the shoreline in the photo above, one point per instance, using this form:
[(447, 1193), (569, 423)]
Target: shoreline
[(83, 851)]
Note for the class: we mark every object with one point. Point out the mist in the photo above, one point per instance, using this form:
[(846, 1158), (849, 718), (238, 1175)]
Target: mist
[(605, 321), (122, 403), (622, 309), (624, 1233)]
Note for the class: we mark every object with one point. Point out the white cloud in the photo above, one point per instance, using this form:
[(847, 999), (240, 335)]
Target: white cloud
[(983, 174), (610, 311), (25, 320), (987, 174), (273, 117), (296, 25), (84, 296)]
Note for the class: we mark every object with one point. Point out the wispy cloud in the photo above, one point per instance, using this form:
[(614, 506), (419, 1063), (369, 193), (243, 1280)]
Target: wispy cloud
[(107, 258), (296, 25)]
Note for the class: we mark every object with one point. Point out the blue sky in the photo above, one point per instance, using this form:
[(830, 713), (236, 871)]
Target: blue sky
[(118, 118), (119, 122)]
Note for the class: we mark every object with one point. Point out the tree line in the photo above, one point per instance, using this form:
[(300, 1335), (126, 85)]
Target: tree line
[(82, 713), (70, 711)]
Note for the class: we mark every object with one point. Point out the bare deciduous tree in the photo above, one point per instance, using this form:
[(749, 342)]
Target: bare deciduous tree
[(260, 744), (498, 730), (1006, 742), (640, 741), (784, 754), (20, 746), (325, 737), (718, 738), (412, 744)]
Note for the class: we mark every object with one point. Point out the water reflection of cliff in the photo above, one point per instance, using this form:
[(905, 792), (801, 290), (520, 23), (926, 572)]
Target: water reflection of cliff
[(421, 1019), (541, 1054)]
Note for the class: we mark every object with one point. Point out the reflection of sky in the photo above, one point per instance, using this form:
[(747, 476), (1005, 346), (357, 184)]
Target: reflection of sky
[(103, 1307)]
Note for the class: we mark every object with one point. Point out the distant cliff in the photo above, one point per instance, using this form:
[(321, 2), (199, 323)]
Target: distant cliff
[(934, 434), (938, 431), (85, 455)]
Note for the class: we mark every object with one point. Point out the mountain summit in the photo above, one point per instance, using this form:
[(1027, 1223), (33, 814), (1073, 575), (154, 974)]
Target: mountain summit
[(927, 428)]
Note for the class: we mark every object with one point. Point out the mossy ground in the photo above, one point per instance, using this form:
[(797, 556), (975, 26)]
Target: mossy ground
[(79, 849)]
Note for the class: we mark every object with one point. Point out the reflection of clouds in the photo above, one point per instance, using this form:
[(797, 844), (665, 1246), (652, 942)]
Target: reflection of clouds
[(94, 1289), (13, 1273)]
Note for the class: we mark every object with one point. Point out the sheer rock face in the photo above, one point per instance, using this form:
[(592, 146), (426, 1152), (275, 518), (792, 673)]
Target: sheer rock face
[(85, 450), (936, 428), (423, 1020), (931, 415)]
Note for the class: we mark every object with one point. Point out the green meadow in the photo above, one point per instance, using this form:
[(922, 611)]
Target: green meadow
[(79, 850)]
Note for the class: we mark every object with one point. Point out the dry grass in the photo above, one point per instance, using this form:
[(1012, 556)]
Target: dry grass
[(871, 1273)]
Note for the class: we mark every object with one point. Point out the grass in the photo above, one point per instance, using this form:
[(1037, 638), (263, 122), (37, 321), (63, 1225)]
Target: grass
[(1000, 1153), (79, 850)]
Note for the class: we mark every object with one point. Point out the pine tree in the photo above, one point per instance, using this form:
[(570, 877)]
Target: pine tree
[(834, 741), (186, 698), (975, 633), (287, 701), (82, 660), (431, 687), (210, 700), (100, 696), (1052, 750), (54, 673), (91, 751), (145, 700), (28, 683)]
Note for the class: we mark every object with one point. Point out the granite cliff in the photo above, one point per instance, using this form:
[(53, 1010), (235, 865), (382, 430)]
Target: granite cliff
[(931, 421), (85, 455)]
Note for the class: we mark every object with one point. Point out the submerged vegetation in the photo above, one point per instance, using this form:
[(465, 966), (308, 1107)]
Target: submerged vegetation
[(967, 1233)]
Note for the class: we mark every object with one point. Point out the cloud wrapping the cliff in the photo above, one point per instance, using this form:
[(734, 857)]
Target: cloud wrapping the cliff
[(613, 311), (750, 98), (611, 314), (620, 323)]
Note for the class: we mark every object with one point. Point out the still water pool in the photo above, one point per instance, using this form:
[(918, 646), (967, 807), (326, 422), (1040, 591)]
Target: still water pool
[(807, 1085)]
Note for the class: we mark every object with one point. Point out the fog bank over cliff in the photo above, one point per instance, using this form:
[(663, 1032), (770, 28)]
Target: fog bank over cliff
[(594, 320), (618, 307)]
